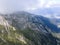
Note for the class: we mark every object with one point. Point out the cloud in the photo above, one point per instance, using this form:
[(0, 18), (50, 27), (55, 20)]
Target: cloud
[(17, 5), (7, 6), (48, 3)]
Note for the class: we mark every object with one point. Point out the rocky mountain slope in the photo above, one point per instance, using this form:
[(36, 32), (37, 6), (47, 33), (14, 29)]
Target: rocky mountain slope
[(22, 28)]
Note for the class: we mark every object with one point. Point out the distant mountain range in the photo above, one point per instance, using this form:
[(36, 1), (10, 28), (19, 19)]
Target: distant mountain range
[(23, 28), (49, 11)]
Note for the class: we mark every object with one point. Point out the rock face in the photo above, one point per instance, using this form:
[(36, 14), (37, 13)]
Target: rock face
[(26, 29)]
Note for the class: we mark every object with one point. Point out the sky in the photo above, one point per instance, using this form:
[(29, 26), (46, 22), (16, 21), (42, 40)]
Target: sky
[(9, 6)]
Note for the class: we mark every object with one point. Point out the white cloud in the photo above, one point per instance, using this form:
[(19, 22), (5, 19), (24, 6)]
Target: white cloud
[(48, 3), (28, 5), (17, 5)]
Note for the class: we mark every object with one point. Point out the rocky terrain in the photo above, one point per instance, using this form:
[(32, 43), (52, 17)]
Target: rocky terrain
[(23, 28)]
